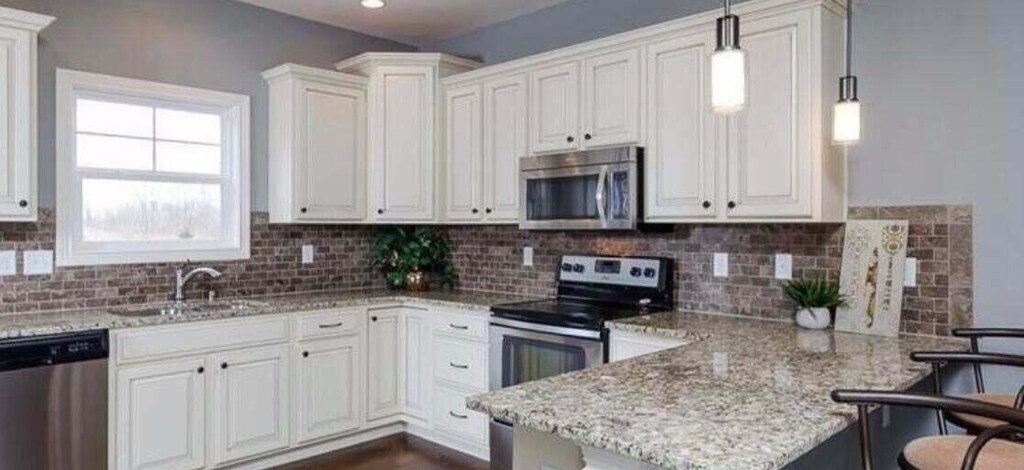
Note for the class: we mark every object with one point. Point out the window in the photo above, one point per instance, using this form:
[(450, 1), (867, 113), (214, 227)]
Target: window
[(149, 172)]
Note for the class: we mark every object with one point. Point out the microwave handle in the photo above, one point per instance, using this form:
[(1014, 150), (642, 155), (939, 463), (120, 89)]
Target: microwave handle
[(602, 178)]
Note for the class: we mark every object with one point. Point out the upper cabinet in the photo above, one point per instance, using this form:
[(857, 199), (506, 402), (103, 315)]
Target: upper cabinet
[(554, 108), (18, 35), (317, 145)]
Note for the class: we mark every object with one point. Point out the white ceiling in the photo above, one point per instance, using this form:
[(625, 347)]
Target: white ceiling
[(410, 21)]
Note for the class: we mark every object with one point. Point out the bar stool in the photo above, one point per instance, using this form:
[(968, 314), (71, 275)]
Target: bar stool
[(987, 451), (972, 424)]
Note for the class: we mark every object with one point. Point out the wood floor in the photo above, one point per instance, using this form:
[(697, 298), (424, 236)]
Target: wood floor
[(398, 452)]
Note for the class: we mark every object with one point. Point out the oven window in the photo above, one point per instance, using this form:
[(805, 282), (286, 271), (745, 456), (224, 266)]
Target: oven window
[(528, 359), (563, 198)]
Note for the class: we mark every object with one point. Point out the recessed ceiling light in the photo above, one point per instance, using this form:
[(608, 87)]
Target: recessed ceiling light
[(372, 3)]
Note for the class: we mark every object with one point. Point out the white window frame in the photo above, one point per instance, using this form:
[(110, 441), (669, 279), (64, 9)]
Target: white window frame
[(72, 250)]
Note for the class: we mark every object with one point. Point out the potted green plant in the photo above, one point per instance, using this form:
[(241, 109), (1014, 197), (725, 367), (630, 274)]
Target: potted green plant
[(815, 300), (406, 255)]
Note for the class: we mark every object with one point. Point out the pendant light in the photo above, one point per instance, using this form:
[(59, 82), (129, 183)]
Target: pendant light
[(846, 114), (728, 66)]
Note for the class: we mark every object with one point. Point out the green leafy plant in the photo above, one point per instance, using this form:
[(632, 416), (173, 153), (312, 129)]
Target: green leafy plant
[(814, 293), (397, 251)]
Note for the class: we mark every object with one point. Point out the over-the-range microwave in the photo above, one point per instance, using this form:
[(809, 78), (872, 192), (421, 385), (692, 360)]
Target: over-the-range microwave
[(588, 190)]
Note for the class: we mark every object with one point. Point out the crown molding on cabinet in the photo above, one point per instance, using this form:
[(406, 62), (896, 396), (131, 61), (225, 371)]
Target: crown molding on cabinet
[(313, 73), (448, 64), (24, 20)]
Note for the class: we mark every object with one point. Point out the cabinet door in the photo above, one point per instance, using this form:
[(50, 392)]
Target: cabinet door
[(327, 398), (17, 124), (250, 402), (770, 164), (505, 141), (417, 362), (554, 109), (680, 155), (383, 363), (160, 413), (464, 154), (402, 139), (611, 99), (330, 166)]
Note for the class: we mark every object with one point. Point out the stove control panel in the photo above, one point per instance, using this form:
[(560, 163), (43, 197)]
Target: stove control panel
[(639, 272)]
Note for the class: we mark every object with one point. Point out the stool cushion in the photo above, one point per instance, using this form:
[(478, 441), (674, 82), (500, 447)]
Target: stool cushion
[(947, 453), (980, 422)]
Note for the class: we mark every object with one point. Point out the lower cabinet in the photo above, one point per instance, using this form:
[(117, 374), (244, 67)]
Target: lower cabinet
[(417, 372), (383, 363), (328, 387)]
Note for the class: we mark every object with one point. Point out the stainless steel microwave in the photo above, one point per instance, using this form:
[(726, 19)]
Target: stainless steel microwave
[(589, 190)]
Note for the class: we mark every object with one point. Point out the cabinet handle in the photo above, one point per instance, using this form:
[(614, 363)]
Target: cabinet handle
[(458, 327), (587, 136), (305, 353), (458, 415), (475, 210), (23, 203), (223, 365), (732, 204), (570, 139), (380, 211), (373, 318), (706, 204), (332, 325), (303, 210), (200, 370), (459, 366), (488, 210)]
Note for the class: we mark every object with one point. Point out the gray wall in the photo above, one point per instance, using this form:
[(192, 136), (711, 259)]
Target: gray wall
[(216, 44)]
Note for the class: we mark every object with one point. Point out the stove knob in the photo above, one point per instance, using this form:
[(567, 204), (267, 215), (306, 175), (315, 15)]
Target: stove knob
[(649, 272), (566, 267), (577, 267), (635, 272)]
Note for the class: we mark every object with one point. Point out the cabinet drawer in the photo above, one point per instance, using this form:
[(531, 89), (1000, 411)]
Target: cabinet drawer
[(193, 338), (328, 324), (451, 415), (465, 325), (461, 362)]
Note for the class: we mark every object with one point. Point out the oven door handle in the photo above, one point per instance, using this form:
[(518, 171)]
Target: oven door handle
[(551, 329), (602, 178)]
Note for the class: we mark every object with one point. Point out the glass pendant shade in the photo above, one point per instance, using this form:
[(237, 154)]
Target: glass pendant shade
[(728, 80), (846, 122)]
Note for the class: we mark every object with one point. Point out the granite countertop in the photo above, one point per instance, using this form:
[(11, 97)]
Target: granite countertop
[(744, 394), (41, 323)]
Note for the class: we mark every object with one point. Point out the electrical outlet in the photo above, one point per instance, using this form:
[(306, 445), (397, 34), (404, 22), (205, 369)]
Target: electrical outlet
[(721, 265), (783, 266), (910, 272), (38, 262), (8, 263), (527, 256), (307, 254)]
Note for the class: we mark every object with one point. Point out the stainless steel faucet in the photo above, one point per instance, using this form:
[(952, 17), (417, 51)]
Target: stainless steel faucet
[(181, 278)]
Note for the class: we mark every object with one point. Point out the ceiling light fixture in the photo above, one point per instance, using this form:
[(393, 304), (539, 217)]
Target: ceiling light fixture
[(372, 4), (728, 66), (846, 114)]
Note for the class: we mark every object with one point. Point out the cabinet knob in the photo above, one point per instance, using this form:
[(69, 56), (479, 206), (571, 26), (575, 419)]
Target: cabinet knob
[(305, 353), (732, 204), (200, 370), (303, 210), (475, 210), (488, 210), (380, 211), (587, 136), (706, 204), (23, 203), (373, 318), (223, 365), (570, 139)]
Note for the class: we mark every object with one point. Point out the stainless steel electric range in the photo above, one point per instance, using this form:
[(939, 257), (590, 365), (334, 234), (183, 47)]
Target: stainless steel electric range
[(538, 339)]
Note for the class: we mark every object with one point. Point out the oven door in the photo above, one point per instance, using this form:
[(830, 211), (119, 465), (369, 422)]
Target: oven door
[(586, 197), (521, 352)]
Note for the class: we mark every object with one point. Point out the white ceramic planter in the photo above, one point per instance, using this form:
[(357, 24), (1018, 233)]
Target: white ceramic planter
[(814, 318)]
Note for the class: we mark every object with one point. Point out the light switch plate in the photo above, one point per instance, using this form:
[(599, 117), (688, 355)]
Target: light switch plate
[(527, 256), (307, 254), (783, 266), (910, 272), (38, 262), (721, 265), (8, 263)]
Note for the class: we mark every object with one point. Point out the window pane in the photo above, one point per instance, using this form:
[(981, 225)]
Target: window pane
[(188, 158), (115, 210), (107, 117), (188, 126), (117, 153)]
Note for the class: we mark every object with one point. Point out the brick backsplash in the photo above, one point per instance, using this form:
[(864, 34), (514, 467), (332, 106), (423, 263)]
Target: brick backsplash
[(489, 258)]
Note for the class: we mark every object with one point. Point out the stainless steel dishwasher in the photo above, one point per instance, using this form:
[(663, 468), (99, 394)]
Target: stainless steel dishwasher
[(53, 402)]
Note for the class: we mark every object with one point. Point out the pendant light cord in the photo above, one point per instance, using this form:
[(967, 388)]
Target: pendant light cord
[(728, 7), (849, 37)]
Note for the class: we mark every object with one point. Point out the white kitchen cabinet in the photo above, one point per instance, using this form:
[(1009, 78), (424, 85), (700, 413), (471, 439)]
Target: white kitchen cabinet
[(555, 108), (626, 344), (383, 363), (160, 412), (19, 32), (505, 141), (250, 402), (328, 388), (611, 99), (317, 140), (416, 362), (464, 165), (680, 157)]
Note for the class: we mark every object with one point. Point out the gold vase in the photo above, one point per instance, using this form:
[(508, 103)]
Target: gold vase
[(416, 281)]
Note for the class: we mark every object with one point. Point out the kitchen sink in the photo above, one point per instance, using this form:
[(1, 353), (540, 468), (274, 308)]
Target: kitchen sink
[(185, 308)]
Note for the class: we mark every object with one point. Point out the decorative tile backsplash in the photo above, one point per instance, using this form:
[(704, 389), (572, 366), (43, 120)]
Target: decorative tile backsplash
[(490, 259)]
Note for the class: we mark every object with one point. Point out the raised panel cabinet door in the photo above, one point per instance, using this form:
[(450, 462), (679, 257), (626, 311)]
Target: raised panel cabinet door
[(327, 399), (769, 159), (555, 109), (331, 171), (383, 363), (611, 99), (250, 402), (17, 124), (417, 362), (160, 416), (680, 157), (402, 135), (505, 142), (464, 153)]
